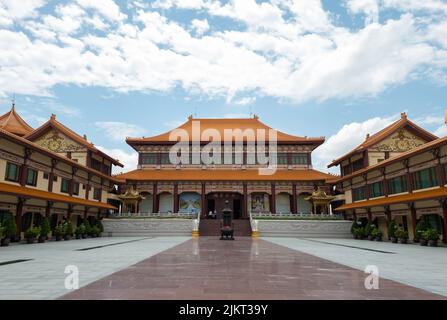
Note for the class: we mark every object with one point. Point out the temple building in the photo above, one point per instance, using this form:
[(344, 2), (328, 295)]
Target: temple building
[(188, 186), (52, 171), (396, 174)]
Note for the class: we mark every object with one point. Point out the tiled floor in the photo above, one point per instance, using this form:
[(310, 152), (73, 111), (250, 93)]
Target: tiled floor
[(207, 268)]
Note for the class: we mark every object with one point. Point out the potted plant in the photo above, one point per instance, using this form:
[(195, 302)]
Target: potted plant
[(376, 234), (68, 231), (88, 229), (2, 232), (31, 234), (10, 231), (402, 235), (421, 226), (80, 231), (367, 230), (94, 231), (44, 230), (392, 227), (59, 232), (431, 236), (100, 228)]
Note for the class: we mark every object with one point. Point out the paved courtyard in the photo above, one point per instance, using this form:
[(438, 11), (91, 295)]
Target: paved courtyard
[(206, 268)]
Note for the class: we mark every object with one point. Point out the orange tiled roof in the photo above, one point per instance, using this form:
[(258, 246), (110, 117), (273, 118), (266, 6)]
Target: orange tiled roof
[(407, 154), (45, 195), (220, 125), (20, 140), (384, 133), (223, 175), (12, 122), (53, 123), (404, 198)]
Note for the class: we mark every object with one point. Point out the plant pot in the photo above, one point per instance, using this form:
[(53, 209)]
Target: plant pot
[(393, 240), (5, 242), (41, 239), (378, 238), (66, 238), (93, 235), (423, 242), (370, 238), (355, 237), (433, 243), (416, 240), (78, 236), (403, 241), (84, 236), (30, 240), (58, 238)]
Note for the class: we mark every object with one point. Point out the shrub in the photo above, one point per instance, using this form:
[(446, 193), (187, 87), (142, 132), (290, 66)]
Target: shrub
[(45, 227), (10, 227), (430, 234), (94, 230), (421, 226), (69, 229), (392, 227), (2, 232), (59, 231), (32, 232), (88, 228), (401, 234), (80, 229), (100, 226), (368, 228), (375, 232)]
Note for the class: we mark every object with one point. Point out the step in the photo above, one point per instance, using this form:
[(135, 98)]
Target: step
[(210, 227)]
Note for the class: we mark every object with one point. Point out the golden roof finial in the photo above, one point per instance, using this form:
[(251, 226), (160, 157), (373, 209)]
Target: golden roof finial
[(403, 115)]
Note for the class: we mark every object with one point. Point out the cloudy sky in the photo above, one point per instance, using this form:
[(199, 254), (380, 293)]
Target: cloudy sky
[(112, 69)]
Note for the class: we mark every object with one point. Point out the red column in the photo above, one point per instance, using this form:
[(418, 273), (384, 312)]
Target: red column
[(413, 218), (273, 199), (294, 204), (245, 208), (19, 212), (444, 221), (369, 214), (176, 208), (155, 198), (203, 195)]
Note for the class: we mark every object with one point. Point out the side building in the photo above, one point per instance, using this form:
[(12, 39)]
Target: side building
[(38, 180), (403, 179)]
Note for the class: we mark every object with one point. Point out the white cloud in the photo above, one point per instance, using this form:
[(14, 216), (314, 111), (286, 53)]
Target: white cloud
[(200, 26), (245, 101), (284, 49), (346, 139), (119, 131), (107, 8), (370, 8), (129, 160), (11, 10)]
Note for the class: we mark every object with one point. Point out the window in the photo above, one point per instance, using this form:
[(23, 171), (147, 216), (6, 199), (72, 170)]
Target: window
[(96, 164), (149, 158), (425, 178), (76, 188), (283, 158), (299, 158), (31, 177), (97, 194), (54, 178), (397, 185), (346, 169), (46, 176), (65, 185), (358, 194), (164, 159), (12, 172), (376, 189), (357, 165)]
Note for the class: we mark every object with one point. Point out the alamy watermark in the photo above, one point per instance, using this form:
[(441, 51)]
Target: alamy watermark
[(372, 280), (263, 142), (72, 279)]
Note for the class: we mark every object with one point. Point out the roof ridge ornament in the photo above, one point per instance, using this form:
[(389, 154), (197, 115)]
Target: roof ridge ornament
[(403, 115)]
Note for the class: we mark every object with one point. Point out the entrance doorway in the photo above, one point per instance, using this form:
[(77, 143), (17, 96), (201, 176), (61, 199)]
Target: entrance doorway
[(216, 201)]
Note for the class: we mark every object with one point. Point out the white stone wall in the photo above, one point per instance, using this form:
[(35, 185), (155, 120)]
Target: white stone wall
[(147, 227), (304, 228)]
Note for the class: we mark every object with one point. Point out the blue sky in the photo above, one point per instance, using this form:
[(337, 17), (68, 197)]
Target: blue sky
[(338, 69)]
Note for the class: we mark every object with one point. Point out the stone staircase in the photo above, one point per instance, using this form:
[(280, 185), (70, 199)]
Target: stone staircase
[(211, 227)]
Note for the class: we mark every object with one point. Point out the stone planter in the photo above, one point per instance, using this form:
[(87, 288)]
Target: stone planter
[(30, 240), (433, 243), (5, 242)]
